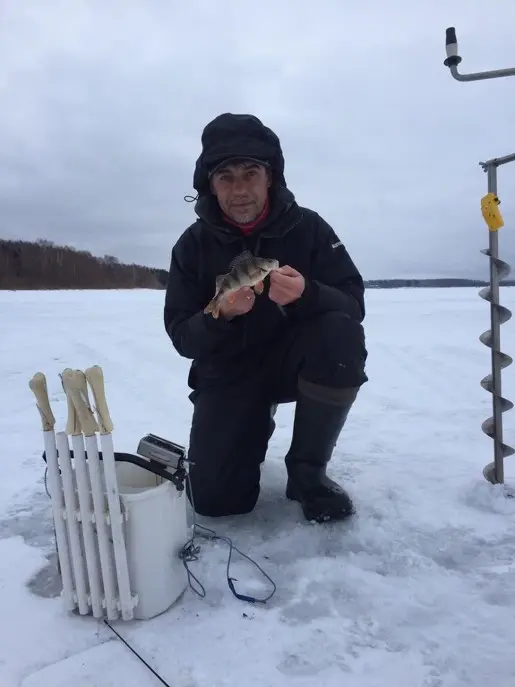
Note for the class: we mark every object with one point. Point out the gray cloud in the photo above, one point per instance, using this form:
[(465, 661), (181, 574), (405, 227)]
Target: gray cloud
[(103, 105)]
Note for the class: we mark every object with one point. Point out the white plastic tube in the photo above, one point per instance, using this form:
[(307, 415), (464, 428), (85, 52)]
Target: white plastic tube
[(106, 561), (86, 512), (55, 489), (70, 502), (38, 386), (116, 518), (95, 379)]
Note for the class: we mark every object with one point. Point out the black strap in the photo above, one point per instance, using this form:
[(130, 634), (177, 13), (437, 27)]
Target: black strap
[(178, 476)]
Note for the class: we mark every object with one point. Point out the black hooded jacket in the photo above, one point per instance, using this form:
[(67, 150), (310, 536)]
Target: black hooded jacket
[(293, 235)]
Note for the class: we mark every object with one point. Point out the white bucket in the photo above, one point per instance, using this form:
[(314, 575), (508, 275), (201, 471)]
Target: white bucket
[(155, 532)]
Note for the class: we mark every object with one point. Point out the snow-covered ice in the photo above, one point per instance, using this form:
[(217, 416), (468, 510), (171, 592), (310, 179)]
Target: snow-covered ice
[(418, 591)]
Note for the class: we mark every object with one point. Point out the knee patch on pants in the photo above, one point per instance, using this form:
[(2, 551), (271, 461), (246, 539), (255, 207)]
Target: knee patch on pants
[(217, 499), (335, 351)]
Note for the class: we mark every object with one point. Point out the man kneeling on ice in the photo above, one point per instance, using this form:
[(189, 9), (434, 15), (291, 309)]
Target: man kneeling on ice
[(263, 297)]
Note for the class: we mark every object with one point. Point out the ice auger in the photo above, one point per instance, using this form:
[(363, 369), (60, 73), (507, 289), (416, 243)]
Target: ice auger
[(499, 314)]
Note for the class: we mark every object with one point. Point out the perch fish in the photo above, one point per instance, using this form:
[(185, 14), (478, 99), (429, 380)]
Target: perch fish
[(245, 270)]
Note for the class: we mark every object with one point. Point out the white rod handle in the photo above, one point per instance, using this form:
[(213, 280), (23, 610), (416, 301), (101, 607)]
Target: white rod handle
[(39, 388), (76, 390), (95, 377)]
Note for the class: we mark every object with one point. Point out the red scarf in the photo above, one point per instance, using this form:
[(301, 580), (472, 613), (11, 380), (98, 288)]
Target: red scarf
[(249, 227)]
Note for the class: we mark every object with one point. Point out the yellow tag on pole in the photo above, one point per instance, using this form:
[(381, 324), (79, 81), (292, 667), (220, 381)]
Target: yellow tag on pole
[(491, 213)]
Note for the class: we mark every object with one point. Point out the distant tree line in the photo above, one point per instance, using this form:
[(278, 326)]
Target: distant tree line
[(447, 282), (44, 265)]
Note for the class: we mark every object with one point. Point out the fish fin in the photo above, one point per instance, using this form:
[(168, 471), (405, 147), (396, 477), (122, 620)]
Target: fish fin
[(245, 256), (259, 288), (218, 282), (213, 307)]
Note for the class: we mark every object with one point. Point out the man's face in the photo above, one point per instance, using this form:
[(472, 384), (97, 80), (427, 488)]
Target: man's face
[(241, 190)]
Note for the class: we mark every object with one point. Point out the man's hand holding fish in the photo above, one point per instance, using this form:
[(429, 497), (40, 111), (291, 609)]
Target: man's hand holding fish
[(237, 303), (286, 285)]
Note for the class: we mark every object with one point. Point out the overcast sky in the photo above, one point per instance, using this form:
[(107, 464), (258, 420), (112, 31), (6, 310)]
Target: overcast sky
[(103, 104)]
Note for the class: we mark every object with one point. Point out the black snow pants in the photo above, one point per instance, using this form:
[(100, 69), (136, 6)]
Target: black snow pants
[(231, 424)]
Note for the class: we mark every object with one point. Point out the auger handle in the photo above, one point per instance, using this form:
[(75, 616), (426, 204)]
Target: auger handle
[(451, 48), (450, 36), (453, 60)]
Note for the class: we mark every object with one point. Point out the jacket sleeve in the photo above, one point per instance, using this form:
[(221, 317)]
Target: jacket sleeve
[(194, 335), (334, 284)]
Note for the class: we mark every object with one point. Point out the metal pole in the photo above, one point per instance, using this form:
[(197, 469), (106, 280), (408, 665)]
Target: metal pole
[(493, 472)]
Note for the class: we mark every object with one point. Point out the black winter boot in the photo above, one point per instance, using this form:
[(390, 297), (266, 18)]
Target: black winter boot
[(320, 415)]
